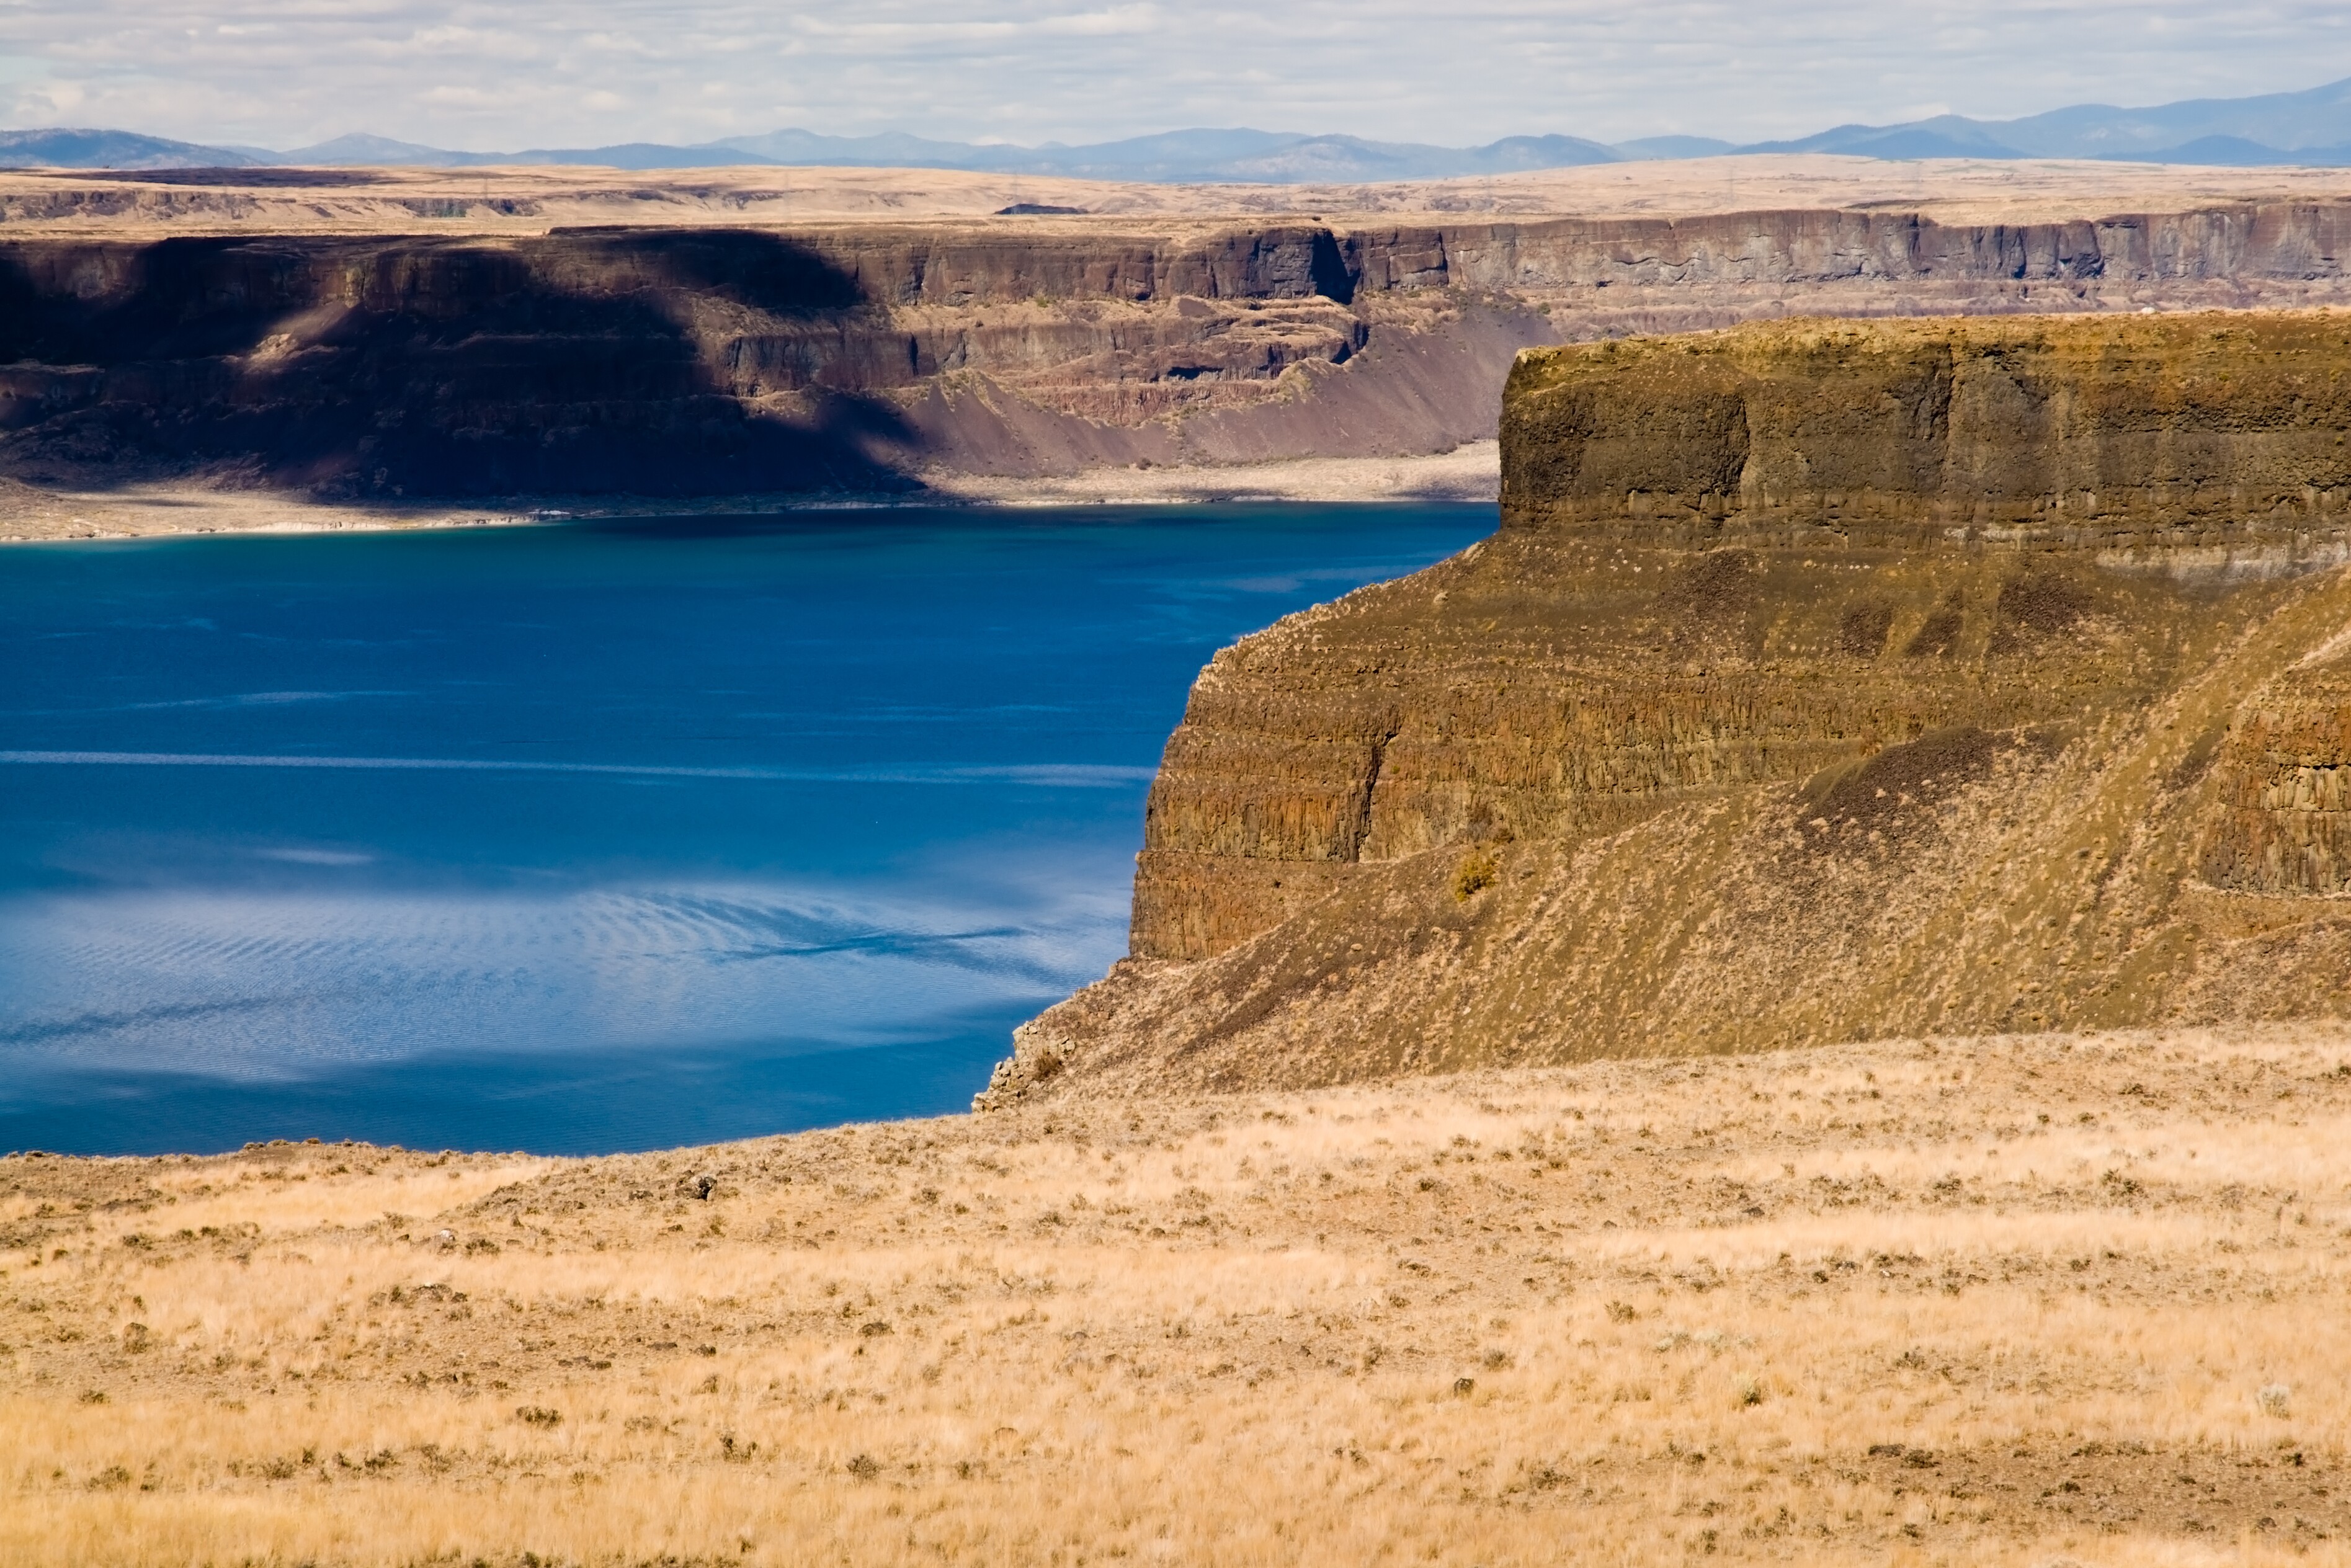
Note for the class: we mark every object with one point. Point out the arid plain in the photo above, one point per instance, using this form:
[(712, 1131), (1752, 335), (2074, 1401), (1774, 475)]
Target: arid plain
[(2024, 1299)]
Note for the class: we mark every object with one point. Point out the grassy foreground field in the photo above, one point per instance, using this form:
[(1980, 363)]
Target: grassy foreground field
[(2032, 1301)]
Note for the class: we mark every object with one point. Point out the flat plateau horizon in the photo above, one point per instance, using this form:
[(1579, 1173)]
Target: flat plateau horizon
[(523, 200)]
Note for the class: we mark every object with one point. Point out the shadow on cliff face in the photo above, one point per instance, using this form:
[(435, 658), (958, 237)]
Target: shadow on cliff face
[(582, 363)]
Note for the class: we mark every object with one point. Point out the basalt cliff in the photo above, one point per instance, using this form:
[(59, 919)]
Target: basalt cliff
[(716, 361), (1825, 680)]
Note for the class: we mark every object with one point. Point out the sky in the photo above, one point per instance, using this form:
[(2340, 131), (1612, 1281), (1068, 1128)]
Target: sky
[(560, 73)]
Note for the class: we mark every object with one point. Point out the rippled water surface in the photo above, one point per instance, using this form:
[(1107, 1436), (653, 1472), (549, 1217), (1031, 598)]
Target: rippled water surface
[(595, 836)]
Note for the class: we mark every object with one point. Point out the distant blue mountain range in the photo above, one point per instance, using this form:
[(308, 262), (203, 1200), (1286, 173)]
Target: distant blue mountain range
[(2310, 128)]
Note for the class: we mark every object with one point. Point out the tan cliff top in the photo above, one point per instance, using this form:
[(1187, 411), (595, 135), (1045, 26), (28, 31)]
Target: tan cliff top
[(522, 200)]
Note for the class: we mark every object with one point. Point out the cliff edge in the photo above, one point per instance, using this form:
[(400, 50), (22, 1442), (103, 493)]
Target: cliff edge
[(899, 357), (1826, 680)]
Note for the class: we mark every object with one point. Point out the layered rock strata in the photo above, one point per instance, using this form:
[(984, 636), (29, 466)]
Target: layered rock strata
[(1825, 680), (720, 360)]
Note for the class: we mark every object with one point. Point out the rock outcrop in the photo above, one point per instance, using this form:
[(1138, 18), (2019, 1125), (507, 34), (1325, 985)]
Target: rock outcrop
[(716, 361), (1825, 680)]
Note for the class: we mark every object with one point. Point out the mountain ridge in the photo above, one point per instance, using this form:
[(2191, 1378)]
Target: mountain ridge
[(2311, 126)]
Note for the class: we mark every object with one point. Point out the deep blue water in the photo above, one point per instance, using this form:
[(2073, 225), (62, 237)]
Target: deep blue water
[(598, 836)]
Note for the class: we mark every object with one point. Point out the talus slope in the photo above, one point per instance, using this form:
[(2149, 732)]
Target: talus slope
[(1826, 681)]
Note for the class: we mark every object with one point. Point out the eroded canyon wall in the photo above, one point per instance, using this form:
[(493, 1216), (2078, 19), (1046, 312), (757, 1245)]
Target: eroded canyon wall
[(1825, 680), (718, 360)]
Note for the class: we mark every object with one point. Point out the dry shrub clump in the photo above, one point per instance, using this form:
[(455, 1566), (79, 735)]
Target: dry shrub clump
[(1998, 1301)]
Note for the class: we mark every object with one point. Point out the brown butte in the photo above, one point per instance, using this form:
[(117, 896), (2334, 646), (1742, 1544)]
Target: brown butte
[(1826, 681), (715, 358)]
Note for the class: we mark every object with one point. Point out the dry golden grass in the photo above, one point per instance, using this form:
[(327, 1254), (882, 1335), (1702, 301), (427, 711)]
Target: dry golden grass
[(2011, 1301)]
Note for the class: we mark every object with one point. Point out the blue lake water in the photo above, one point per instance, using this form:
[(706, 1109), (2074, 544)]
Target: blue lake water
[(596, 836)]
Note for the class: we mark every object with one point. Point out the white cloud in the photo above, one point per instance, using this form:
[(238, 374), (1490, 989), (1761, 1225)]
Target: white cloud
[(541, 73)]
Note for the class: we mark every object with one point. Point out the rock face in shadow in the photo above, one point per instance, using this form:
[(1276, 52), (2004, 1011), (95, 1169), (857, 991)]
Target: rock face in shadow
[(714, 362), (578, 364), (1825, 680)]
